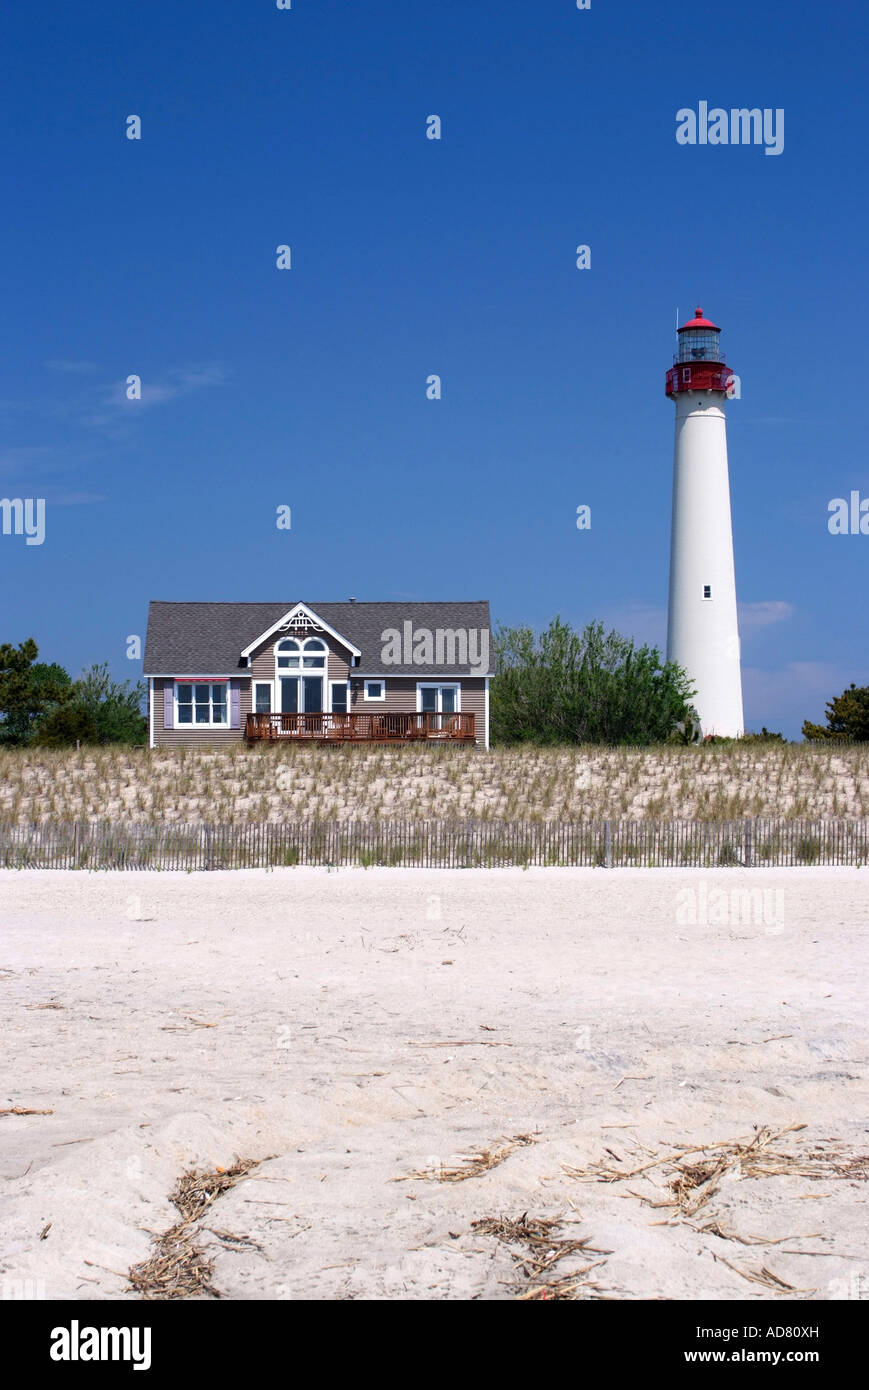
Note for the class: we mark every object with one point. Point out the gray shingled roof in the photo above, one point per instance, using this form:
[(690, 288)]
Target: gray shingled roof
[(207, 639)]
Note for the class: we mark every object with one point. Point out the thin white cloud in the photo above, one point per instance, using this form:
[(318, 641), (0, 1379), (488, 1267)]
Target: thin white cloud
[(36, 460), (101, 407), (767, 420), (797, 677), (72, 367), (800, 690), (40, 470), (114, 405), (755, 616), (73, 499), (645, 622)]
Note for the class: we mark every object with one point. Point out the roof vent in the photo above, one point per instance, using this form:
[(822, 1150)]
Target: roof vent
[(352, 600)]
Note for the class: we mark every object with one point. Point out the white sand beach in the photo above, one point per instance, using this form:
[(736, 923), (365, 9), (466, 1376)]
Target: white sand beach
[(354, 1027)]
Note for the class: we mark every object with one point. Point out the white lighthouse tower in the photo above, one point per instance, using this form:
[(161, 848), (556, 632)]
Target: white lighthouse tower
[(702, 631)]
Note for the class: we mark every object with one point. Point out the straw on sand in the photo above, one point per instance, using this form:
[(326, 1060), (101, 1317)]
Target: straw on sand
[(694, 1176), (542, 1251), (691, 1184), (474, 1164), (178, 1268)]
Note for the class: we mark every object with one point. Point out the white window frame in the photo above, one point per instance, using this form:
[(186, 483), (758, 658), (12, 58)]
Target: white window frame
[(486, 715), (375, 698), (283, 672), (271, 685), (210, 723), (439, 686), (297, 672), (346, 685)]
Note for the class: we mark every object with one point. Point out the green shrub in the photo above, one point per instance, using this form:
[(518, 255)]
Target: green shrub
[(66, 725), (566, 687)]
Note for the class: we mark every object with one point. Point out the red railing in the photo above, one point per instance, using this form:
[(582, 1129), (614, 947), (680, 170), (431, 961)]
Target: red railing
[(698, 376), (362, 728)]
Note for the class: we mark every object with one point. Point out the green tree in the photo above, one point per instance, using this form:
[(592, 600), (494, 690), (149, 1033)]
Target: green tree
[(114, 706), (65, 725), (583, 687), (98, 710), (29, 690), (847, 716)]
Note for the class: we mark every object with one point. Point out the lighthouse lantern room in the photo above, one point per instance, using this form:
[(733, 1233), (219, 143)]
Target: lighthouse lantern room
[(699, 362)]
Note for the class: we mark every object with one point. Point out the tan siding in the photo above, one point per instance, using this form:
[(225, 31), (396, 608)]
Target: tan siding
[(262, 664), (474, 702), (338, 664), (401, 697), (190, 734)]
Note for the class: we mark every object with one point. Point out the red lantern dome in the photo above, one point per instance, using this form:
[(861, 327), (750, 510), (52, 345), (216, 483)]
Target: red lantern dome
[(699, 363), (699, 321)]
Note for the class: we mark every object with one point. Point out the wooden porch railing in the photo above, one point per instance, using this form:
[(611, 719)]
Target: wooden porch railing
[(362, 728)]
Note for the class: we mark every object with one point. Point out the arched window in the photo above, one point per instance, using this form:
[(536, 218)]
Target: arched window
[(288, 654), (314, 655), (300, 675), (307, 656)]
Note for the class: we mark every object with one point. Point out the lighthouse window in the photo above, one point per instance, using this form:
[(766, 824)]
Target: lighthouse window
[(707, 590), (699, 346)]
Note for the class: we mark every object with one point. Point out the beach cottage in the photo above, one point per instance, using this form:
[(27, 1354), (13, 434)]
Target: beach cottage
[(324, 672)]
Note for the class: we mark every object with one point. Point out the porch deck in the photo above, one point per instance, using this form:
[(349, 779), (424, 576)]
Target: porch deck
[(362, 728)]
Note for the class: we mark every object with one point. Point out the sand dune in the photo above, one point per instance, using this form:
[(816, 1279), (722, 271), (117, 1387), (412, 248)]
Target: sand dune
[(279, 784), (355, 1027)]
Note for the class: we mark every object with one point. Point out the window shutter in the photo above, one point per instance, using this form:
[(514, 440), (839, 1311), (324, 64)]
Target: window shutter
[(235, 704), (168, 705)]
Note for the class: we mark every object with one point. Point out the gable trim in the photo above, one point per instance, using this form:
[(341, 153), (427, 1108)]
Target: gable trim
[(301, 608)]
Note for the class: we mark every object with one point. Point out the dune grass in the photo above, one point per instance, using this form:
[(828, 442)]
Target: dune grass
[(238, 785)]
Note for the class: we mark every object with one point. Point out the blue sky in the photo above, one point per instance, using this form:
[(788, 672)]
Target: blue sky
[(307, 387)]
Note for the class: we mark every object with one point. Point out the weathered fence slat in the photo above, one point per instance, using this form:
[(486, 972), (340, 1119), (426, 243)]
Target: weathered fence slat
[(760, 843)]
